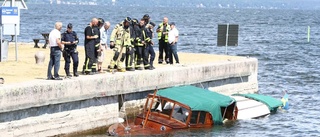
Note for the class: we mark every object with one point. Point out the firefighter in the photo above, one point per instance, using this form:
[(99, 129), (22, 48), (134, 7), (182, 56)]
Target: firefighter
[(146, 19), (163, 30), (70, 40), (139, 47), (149, 47), (91, 36), (130, 50), (119, 40)]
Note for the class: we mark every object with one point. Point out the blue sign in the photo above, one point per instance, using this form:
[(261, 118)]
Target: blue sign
[(9, 11)]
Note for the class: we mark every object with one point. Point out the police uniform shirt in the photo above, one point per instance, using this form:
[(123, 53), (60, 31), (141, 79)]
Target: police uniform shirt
[(69, 37)]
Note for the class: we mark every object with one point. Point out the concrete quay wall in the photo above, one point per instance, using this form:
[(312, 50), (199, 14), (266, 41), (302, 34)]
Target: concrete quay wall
[(87, 102)]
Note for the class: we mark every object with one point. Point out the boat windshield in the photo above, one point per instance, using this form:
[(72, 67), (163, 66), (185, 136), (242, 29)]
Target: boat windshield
[(168, 108)]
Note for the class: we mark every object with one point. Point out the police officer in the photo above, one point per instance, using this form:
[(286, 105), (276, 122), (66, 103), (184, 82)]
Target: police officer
[(70, 39), (119, 40)]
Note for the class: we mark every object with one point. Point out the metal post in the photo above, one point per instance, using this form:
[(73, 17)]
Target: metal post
[(1, 33), (227, 36), (13, 3), (15, 33), (1, 38)]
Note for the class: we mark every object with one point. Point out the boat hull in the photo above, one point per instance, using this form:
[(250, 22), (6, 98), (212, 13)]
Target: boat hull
[(249, 108)]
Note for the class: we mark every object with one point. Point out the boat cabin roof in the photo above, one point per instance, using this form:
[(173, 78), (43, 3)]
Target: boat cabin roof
[(271, 102), (199, 99)]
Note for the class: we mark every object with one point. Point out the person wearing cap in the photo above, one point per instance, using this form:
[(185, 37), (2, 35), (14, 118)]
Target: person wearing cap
[(91, 37), (103, 43), (70, 40), (130, 50), (146, 19), (140, 46), (173, 41), (162, 31), (55, 52), (149, 46), (119, 40)]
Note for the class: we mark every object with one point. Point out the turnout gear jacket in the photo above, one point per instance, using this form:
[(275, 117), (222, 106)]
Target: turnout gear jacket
[(121, 35)]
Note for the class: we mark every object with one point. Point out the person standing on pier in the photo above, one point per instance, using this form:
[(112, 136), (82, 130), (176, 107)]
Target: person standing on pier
[(130, 50), (173, 42), (149, 46), (55, 52), (119, 40), (90, 42), (70, 41), (146, 19), (139, 54), (162, 31), (103, 44)]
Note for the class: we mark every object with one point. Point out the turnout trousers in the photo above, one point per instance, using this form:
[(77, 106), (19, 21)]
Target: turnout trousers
[(163, 48), (130, 57), (91, 58), (118, 57)]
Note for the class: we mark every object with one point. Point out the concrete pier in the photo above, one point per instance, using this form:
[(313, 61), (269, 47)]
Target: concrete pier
[(47, 108)]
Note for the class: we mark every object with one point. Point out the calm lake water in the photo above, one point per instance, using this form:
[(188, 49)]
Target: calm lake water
[(278, 38)]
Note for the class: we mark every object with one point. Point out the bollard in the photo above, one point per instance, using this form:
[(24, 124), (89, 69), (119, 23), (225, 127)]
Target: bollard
[(40, 57), (1, 80)]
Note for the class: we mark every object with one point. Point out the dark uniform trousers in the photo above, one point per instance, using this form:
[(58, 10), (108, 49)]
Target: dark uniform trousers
[(139, 53), (149, 51), (70, 52), (163, 47)]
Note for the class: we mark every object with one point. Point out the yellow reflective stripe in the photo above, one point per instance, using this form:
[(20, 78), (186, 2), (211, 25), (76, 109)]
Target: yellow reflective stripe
[(87, 65), (160, 33), (144, 34)]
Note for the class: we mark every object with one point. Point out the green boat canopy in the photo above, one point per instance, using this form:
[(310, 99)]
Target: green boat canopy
[(199, 99), (271, 102)]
